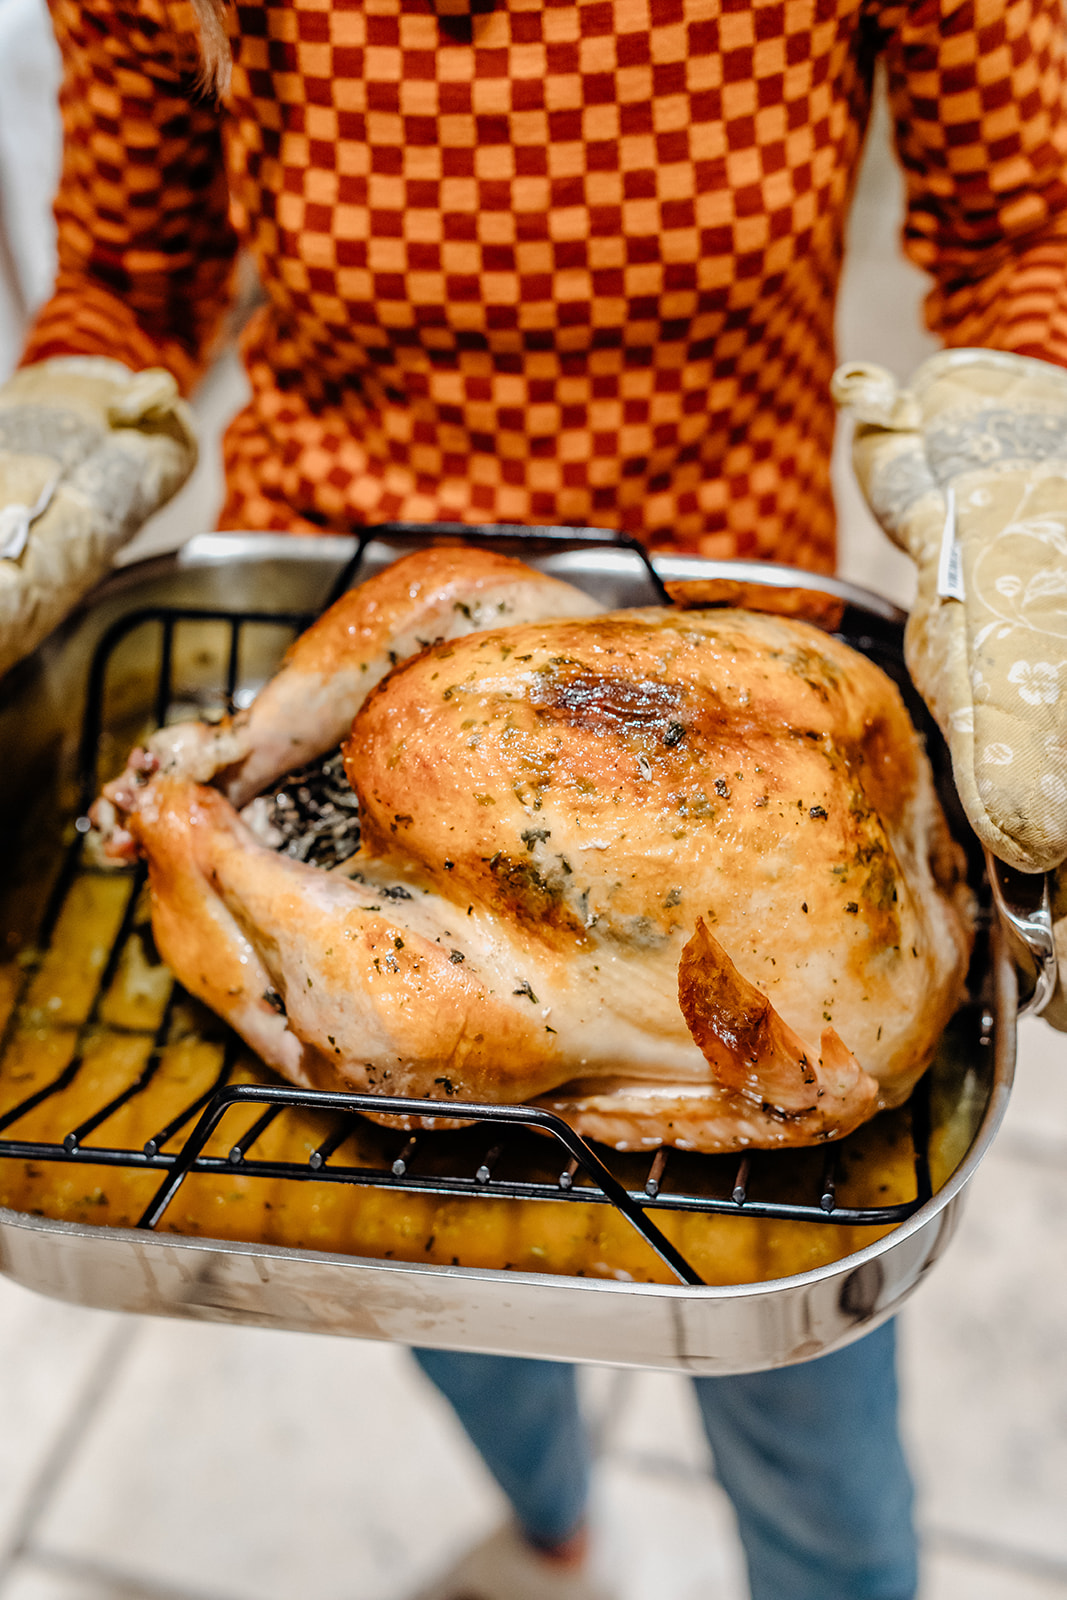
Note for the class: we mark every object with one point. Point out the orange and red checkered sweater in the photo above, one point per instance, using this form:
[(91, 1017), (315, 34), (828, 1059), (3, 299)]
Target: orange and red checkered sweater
[(567, 261)]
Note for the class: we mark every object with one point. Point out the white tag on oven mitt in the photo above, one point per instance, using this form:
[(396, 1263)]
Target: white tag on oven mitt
[(966, 469), (88, 451)]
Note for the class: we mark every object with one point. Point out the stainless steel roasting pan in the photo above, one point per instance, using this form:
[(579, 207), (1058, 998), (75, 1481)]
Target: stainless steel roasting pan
[(687, 1327)]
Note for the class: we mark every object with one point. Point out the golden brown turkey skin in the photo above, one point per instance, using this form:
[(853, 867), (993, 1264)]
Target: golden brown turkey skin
[(681, 876), (602, 785), (329, 981), (337, 985)]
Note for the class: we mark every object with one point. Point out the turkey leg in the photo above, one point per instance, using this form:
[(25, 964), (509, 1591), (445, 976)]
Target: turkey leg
[(307, 707)]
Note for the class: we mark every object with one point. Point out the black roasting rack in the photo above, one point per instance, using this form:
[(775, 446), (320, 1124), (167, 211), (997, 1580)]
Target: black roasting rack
[(503, 1155)]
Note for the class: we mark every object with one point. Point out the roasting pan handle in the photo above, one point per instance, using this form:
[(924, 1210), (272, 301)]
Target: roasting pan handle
[(1024, 906)]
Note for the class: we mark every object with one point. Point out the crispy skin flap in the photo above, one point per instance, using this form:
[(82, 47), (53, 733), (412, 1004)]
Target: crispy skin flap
[(755, 1053)]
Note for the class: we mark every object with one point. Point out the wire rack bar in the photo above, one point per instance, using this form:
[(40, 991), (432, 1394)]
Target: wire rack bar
[(403, 1160), (919, 1106), (153, 1145), (346, 1126), (79, 1134), (247, 1140), (399, 1176), (452, 1187), (739, 1194), (107, 974), (654, 1180), (510, 538), (518, 1116)]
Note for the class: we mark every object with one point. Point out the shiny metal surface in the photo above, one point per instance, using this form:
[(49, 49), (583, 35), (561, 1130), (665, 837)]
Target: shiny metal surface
[(1024, 905), (694, 1329)]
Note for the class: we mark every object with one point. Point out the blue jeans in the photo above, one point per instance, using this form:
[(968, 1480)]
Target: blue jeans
[(809, 1455)]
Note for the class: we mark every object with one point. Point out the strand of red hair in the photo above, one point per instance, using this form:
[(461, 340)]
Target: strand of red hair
[(216, 61)]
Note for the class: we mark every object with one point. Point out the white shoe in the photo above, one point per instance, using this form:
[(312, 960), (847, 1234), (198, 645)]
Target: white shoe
[(505, 1567)]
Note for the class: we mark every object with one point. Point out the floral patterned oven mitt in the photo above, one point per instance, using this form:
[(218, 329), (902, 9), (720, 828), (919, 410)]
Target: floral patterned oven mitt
[(88, 450), (966, 469)]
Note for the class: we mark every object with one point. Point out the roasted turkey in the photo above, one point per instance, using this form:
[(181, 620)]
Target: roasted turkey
[(681, 876)]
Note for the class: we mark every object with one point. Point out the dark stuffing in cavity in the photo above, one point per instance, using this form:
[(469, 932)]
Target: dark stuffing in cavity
[(310, 814)]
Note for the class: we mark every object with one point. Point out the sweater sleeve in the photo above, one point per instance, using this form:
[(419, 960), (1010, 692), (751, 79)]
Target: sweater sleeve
[(145, 248), (978, 90)]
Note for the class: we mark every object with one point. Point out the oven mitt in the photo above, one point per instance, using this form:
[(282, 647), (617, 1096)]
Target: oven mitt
[(966, 469), (88, 451)]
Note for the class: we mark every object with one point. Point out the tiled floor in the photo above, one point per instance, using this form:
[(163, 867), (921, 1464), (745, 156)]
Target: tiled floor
[(146, 1460)]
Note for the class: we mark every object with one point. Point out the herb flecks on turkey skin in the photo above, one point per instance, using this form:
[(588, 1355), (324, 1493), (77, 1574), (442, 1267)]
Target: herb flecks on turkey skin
[(681, 876), (600, 785)]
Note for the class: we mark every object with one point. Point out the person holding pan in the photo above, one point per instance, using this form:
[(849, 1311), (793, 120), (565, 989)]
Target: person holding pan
[(575, 262)]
